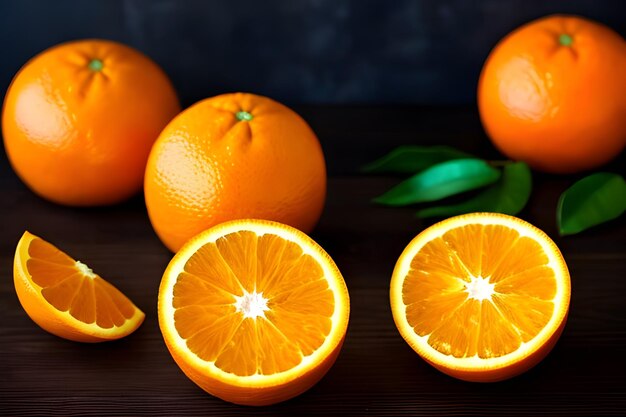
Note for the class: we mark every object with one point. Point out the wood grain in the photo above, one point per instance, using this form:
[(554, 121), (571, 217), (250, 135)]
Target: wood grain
[(377, 373)]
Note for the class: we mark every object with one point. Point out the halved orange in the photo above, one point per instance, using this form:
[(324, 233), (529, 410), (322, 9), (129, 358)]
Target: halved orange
[(254, 312), (66, 298), (482, 296)]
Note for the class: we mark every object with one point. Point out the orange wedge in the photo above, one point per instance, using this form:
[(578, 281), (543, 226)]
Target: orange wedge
[(66, 298), (481, 297), (254, 312)]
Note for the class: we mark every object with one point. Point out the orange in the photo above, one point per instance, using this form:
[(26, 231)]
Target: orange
[(482, 296), (230, 157), (254, 312), (552, 94), (79, 120), (66, 298)]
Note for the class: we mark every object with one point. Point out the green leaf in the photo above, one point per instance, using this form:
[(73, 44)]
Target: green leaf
[(440, 181), (413, 159), (509, 195), (594, 199)]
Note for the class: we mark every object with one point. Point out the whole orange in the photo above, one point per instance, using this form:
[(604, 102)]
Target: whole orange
[(79, 120), (553, 94), (230, 157)]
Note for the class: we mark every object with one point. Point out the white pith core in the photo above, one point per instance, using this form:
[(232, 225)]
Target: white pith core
[(85, 270), (479, 288), (251, 304)]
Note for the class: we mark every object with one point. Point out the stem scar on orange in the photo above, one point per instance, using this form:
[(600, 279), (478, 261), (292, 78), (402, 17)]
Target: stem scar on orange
[(79, 120), (482, 296), (254, 312), (230, 157), (552, 93)]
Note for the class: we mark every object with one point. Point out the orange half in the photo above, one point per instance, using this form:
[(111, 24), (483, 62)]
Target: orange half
[(66, 298), (482, 296), (254, 312)]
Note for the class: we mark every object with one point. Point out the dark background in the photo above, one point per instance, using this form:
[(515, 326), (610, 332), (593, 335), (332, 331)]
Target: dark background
[(367, 76), (298, 52)]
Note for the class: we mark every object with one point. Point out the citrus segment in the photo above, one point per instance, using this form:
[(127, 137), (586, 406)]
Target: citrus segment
[(66, 298), (253, 311), (481, 295)]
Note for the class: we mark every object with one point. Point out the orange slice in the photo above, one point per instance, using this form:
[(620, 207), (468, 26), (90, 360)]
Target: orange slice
[(254, 312), (482, 296), (66, 298)]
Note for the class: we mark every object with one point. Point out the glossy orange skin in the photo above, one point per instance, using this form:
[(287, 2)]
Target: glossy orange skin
[(79, 136), (208, 167), (560, 108)]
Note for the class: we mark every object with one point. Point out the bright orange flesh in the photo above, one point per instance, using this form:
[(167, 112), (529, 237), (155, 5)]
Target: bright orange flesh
[(479, 295), (299, 309), (254, 312), (66, 298)]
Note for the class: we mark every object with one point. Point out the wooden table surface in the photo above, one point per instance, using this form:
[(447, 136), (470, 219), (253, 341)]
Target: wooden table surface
[(376, 373)]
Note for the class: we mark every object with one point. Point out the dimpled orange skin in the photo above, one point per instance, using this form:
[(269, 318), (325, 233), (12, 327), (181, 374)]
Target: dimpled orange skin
[(230, 157), (553, 94), (79, 120)]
